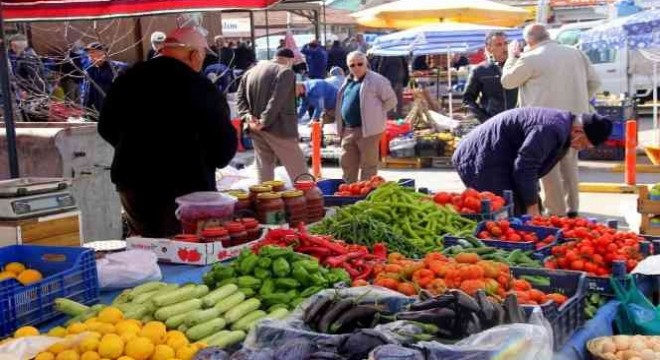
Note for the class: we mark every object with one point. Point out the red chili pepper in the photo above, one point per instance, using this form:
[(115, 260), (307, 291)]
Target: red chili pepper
[(323, 242), (380, 251), (350, 270), (337, 261), (315, 251), (366, 272)]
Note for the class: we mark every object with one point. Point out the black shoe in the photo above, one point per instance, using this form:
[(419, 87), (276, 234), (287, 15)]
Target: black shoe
[(572, 215)]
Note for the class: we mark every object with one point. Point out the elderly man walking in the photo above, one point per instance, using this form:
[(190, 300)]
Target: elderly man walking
[(553, 76), (266, 101), (361, 114)]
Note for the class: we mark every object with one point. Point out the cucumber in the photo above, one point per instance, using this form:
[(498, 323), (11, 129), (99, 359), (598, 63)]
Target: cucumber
[(167, 289), (70, 307), (278, 314), (145, 288), (183, 307), (122, 298), (183, 328), (174, 321), (218, 294), (225, 341), (229, 302), (201, 291), (179, 295), (246, 321), (210, 338), (202, 316), (205, 329), (144, 297), (277, 306), (147, 319), (241, 310), (137, 313)]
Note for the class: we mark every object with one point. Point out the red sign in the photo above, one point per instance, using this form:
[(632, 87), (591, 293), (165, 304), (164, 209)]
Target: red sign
[(571, 3)]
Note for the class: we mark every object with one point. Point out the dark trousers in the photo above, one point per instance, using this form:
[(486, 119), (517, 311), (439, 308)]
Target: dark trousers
[(150, 213)]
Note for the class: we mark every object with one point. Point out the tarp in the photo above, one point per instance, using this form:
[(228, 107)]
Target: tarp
[(638, 31), (50, 10), (440, 38)]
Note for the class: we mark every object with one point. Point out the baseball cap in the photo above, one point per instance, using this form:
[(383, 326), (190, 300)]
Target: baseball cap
[(158, 37), (285, 53), (95, 45), (597, 128), (186, 37)]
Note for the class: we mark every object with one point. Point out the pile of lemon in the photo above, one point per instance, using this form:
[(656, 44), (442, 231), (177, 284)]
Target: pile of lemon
[(111, 337), (18, 271)]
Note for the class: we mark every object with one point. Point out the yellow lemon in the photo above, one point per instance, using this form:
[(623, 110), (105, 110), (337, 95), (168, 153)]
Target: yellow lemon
[(90, 343), (176, 342), (68, 355), (45, 356), (175, 334), (106, 328), (94, 334), (90, 355), (111, 346), (163, 352), (110, 315), (15, 267), (76, 328), (125, 326), (57, 331), (7, 275), (135, 321), (186, 352), (200, 345), (26, 331), (155, 331), (94, 325), (139, 348), (125, 358), (59, 347), (91, 320), (127, 336), (29, 276)]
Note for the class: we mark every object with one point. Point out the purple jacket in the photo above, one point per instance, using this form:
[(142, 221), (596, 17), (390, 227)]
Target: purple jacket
[(513, 150)]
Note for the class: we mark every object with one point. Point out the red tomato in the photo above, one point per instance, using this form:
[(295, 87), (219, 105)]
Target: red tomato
[(355, 189), (457, 201), (470, 193), (344, 187), (495, 230), (577, 265), (472, 203), (514, 238), (504, 225), (483, 235), (442, 198), (365, 190)]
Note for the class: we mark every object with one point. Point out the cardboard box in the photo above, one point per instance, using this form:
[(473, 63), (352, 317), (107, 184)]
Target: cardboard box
[(181, 252)]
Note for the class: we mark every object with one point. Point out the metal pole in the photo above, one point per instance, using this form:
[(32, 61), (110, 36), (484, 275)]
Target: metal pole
[(252, 31), (656, 122), (7, 103), (451, 106), (267, 35), (325, 27)]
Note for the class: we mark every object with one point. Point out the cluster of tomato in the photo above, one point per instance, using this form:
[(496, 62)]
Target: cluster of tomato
[(361, 188), (469, 202), (502, 230), (436, 273)]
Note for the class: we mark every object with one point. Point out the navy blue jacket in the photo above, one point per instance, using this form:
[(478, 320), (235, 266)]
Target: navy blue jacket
[(513, 150), (222, 75), (319, 94), (337, 57), (103, 76), (316, 59), (484, 83)]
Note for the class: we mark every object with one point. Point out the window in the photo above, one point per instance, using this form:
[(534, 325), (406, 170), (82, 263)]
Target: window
[(601, 56)]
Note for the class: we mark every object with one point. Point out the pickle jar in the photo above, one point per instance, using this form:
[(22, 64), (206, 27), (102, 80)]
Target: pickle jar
[(270, 208), (237, 233), (252, 227), (313, 198), (295, 206), (255, 190), (276, 185)]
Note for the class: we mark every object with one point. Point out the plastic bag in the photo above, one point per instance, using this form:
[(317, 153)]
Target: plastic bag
[(29, 347), (127, 269), (636, 314)]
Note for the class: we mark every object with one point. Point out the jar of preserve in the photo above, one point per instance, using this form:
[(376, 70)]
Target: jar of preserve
[(217, 234), (255, 190), (252, 227), (270, 208), (277, 185), (295, 206), (187, 238), (313, 197), (243, 204), (237, 233)]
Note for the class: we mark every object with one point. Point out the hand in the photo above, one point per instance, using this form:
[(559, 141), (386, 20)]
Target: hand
[(514, 49), (255, 124)]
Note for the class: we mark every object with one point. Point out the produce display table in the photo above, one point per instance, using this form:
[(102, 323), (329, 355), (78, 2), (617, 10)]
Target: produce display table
[(574, 349)]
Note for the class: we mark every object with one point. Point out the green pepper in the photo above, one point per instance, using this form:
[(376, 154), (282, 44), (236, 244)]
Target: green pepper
[(227, 281), (292, 294), (248, 264), (274, 251), (276, 298), (223, 272), (310, 291), (297, 301), (248, 292), (319, 280), (265, 262), (287, 283), (261, 273), (281, 267), (311, 266), (208, 279), (299, 273), (277, 306), (267, 288), (338, 275), (248, 282)]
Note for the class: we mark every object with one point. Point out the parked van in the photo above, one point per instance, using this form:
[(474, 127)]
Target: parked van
[(612, 64)]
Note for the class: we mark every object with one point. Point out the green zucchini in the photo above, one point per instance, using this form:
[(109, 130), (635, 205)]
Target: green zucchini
[(246, 321), (278, 314), (218, 294), (210, 338), (229, 302), (183, 307), (202, 316), (200, 291), (205, 329), (225, 341), (145, 288), (242, 309), (179, 295), (144, 297)]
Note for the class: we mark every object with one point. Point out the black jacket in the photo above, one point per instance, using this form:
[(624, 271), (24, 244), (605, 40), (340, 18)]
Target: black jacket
[(170, 128), (337, 57), (394, 68), (484, 83)]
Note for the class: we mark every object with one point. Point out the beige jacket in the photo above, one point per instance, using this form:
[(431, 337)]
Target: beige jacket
[(376, 98), (553, 76)]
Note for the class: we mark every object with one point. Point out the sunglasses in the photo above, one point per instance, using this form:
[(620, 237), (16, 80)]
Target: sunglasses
[(354, 65)]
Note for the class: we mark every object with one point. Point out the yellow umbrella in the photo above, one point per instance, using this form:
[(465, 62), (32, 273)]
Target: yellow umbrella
[(404, 14)]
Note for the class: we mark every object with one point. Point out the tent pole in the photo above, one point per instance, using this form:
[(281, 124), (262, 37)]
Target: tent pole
[(656, 124), (7, 103), (267, 35), (253, 36), (451, 107)]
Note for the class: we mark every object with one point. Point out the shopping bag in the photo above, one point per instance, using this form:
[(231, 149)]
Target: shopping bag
[(127, 269), (636, 314)]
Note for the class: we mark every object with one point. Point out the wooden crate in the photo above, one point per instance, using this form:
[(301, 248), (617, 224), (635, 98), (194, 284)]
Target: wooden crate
[(405, 163), (443, 162), (648, 209)]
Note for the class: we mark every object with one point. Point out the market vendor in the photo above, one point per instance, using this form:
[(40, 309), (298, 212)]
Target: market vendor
[(170, 129), (514, 149), (321, 96)]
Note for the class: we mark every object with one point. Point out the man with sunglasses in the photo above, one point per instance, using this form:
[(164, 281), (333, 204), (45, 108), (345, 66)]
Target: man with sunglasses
[(361, 115), (171, 130), (514, 149)]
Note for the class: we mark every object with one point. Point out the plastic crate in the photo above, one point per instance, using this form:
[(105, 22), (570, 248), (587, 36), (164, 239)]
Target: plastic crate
[(68, 273), (541, 233), (603, 152), (618, 130), (330, 186), (568, 317), (487, 214)]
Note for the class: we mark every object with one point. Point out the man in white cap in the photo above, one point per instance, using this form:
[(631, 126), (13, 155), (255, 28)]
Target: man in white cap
[(171, 130), (157, 38)]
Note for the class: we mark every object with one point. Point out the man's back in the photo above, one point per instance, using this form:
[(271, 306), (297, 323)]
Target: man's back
[(322, 89), (258, 85)]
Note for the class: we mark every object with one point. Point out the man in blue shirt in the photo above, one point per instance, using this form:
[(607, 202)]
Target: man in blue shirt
[(320, 95), (100, 76), (316, 58)]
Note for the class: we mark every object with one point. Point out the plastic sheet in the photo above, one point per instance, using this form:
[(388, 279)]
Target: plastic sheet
[(127, 269), (29, 347)]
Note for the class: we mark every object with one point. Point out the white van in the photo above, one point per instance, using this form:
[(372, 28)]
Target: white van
[(612, 64)]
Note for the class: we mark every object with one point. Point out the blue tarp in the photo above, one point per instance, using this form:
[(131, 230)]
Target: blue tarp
[(638, 31), (441, 38)]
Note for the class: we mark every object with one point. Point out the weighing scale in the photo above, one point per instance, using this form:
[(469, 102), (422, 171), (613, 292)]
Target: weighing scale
[(39, 211)]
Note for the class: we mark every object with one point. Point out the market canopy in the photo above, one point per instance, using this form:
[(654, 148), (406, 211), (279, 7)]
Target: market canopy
[(440, 38), (638, 31), (50, 10), (405, 14)]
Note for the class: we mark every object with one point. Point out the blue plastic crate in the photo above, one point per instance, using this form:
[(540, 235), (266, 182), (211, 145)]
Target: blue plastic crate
[(487, 214), (68, 272), (618, 130), (541, 233), (615, 113), (330, 186), (568, 317)]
